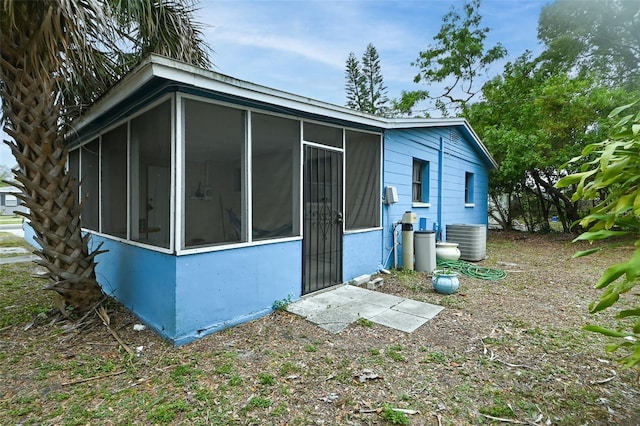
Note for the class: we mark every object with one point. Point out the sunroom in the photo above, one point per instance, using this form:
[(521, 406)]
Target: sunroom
[(216, 197)]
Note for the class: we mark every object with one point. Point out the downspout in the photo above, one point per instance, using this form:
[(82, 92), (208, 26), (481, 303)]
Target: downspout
[(440, 174)]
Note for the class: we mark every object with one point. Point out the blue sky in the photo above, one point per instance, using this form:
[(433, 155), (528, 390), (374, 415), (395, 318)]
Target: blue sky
[(300, 46)]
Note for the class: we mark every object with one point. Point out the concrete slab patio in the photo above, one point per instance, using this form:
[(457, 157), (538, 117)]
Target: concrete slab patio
[(336, 308)]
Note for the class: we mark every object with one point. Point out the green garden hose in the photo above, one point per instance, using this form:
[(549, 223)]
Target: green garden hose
[(471, 270)]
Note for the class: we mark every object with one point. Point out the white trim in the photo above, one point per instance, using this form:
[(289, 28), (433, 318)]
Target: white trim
[(247, 200), (343, 202), (418, 204), (130, 242), (173, 175), (363, 230), (129, 202), (179, 166), (321, 146), (469, 205), (381, 183), (301, 150), (100, 183), (221, 247)]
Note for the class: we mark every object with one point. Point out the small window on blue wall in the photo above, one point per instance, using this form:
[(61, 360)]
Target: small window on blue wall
[(420, 181), (468, 188)]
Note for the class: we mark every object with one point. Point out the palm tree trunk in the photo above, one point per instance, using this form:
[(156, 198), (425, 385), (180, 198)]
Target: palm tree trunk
[(32, 118)]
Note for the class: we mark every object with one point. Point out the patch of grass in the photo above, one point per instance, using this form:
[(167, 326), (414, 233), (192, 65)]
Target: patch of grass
[(22, 299), (235, 380), (258, 402), (166, 413), (365, 322), (393, 352), (288, 368), (388, 414), (310, 348), (280, 410), (498, 409), (10, 240), (266, 379), (406, 275), (452, 301), (182, 373), (224, 369), (436, 357)]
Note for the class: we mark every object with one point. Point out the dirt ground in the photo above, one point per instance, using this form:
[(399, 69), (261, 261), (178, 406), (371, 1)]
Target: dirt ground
[(501, 352)]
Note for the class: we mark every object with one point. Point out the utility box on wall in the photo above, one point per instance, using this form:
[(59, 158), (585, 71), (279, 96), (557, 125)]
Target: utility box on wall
[(391, 195)]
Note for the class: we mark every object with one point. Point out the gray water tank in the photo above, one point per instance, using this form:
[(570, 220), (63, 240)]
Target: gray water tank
[(471, 239), (425, 250)]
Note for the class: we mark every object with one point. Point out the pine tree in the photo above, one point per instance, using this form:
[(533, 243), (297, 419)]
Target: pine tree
[(356, 85), (365, 87), (376, 102)]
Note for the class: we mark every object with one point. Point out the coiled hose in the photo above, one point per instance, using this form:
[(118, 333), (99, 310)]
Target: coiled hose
[(471, 270)]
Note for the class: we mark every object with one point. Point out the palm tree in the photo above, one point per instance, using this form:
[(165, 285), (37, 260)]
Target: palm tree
[(56, 58)]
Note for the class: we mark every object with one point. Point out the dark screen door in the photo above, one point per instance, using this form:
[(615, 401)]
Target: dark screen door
[(322, 240)]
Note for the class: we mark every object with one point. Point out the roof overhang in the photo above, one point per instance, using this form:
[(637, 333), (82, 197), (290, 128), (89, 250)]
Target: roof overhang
[(160, 72)]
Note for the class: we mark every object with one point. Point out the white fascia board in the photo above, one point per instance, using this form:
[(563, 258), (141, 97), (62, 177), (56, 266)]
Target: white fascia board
[(162, 67), (210, 80), (116, 94), (412, 123)]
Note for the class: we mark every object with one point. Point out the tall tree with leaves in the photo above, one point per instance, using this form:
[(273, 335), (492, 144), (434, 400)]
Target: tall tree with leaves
[(458, 59), (356, 84), (57, 57), (609, 174), (365, 87), (534, 119), (596, 35)]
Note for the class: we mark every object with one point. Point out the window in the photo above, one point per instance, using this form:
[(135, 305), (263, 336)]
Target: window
[(362, 197), (326, 135), (420, 191), (214, 174), (150, 169), (468, 188), (114, 182), (10, 200), (275, 187), (89, 184)]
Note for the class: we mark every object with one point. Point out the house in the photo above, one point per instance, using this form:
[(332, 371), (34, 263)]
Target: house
[(217, 197), (9, 203)]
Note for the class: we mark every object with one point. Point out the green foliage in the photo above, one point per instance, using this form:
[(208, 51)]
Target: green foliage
[(610, 175), (282, 304), (393, 352), (166, 413), (266, 379), (458, 58), (365, 322), (394, 417), (593, 35), (365, 87), (498, 409), (258, 402), (534, 119)]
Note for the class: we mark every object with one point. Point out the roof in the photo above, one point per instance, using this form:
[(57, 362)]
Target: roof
[(157, 74)]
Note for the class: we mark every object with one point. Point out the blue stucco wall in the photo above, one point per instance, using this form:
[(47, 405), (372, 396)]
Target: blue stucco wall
[(447, 206), (187, 297), (219, 289), (142, 280), (362, 253)]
